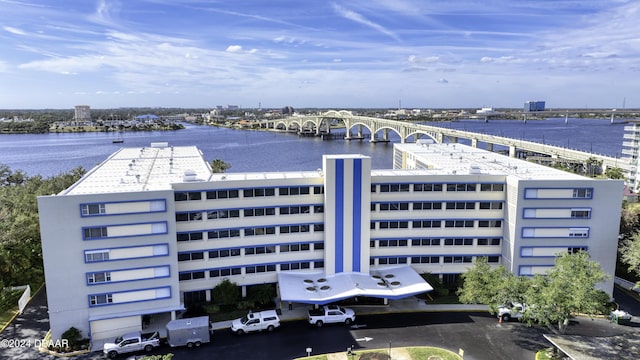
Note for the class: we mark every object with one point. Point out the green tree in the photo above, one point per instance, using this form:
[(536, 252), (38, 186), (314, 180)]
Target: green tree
[(566, 289), (262, 294), (630, 253), (226, 293), (219, 166), (493, 286), (614, 173)]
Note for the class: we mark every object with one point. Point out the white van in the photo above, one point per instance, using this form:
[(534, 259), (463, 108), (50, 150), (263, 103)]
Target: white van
[(258, 321)]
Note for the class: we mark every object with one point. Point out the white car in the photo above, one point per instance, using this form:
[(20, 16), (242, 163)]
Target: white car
[(258, 321), (510, 311)]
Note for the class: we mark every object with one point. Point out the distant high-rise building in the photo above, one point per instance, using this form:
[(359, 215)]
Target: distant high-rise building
[(534, 106), (82, 112)]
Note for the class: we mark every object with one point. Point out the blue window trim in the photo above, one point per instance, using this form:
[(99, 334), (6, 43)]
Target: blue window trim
[(555, 237), (126, 269), (128, 291), (547, 246), (357, 216), (558, 188), (125, 247), (339, 216), (123, 202), (532, 265), (125, 236), (524, 210), (258, 264)]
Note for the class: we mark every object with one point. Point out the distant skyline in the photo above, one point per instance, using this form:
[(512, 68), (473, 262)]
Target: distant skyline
[(323, 54)]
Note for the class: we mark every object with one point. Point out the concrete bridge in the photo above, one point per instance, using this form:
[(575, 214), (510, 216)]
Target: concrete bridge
[(379, 129)]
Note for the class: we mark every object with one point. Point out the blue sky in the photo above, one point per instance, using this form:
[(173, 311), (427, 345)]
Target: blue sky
[(313, 53)]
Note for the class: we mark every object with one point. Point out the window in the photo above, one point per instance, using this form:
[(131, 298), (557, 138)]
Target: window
[(493, 259), (458, 223), (459, 205), (582, 193), (392, 260), (187, 196), (289, 229), (394, 188), (393, 224), (318, 246), (192, 275), (394, 206), (392, 243), (486, 242), (461, 187), (318, 227), (580, 232), (425, 259), (222, 234), (318, 264), (259, 192), (458, 242), (576, 249), (93, 209), (258, 231), (222, 194), (427, 224), (318, 189), (318, 209), (190, 256), (457, 259), (223, 253), (96, 255), (98, 277), (189, 236), (294, 190), (581, 214), (490, 223), (427, 187), (490, 205), (225, 272), (222, 214), (259, 212), (491, 187), (94, 233), (425, 242), (292, 210), (427, 205), (100, 299), (260, 250)]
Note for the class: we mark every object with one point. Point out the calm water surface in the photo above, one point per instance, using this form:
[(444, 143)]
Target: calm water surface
[(52, 154)]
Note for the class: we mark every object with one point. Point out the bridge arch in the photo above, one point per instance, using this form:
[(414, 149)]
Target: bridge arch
[(416, 135), (338, 114)]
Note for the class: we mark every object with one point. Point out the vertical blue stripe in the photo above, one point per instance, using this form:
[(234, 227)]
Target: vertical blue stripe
[(357, 214), (339, 219)]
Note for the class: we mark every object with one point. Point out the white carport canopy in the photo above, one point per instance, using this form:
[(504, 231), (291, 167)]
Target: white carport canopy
[(318, 288)]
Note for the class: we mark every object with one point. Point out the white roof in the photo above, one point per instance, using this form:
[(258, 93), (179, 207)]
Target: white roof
[(454, 158), (144, 169), (393, 282)]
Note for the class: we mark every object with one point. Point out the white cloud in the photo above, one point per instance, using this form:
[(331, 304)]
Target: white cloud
[(354, 16), (443, 81), (13, 30), (234, 48)]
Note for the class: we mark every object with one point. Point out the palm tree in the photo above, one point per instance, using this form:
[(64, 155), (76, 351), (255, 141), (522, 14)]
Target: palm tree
[(219, 166)]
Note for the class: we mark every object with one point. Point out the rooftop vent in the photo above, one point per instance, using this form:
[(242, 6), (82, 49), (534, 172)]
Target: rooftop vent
[(189, 175)]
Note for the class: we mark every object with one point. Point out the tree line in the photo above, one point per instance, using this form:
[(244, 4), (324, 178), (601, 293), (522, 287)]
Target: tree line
[(20, 247)]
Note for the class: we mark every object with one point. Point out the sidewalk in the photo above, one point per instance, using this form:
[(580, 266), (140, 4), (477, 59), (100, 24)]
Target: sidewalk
[(410, 304)]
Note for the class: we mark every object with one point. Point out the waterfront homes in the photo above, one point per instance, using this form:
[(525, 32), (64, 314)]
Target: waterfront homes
[(151, 229)]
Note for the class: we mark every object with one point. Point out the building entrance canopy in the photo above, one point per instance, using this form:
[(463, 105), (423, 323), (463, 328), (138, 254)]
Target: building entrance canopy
[(318, 288)]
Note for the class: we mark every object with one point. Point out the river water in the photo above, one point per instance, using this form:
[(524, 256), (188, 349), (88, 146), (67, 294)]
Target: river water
[(248, 151)]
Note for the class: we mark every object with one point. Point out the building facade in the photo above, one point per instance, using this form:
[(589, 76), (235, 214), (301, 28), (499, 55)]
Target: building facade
[(150, 230), (631, 151), (82, 113), (534, 106)]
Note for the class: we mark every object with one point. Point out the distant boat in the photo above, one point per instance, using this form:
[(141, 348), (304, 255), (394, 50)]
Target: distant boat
[(118, 141)]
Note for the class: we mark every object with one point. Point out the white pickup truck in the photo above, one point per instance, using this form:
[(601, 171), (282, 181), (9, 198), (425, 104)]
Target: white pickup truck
[(131, 342), (331, 314), (256, 321), (510, 311)]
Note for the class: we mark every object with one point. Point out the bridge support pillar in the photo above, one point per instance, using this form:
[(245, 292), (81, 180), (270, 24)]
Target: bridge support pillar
[(439, 138), (474, 143), (512, 151), (385, 135), (489, 147), (360, 132)]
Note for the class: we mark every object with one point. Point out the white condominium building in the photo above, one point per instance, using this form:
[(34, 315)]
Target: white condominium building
[(151, 230)]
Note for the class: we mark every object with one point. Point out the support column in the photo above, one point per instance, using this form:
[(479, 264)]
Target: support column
[(512, 151), (385, 135), (489, 146), (360, 132), (244, 291), (474, 143)]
